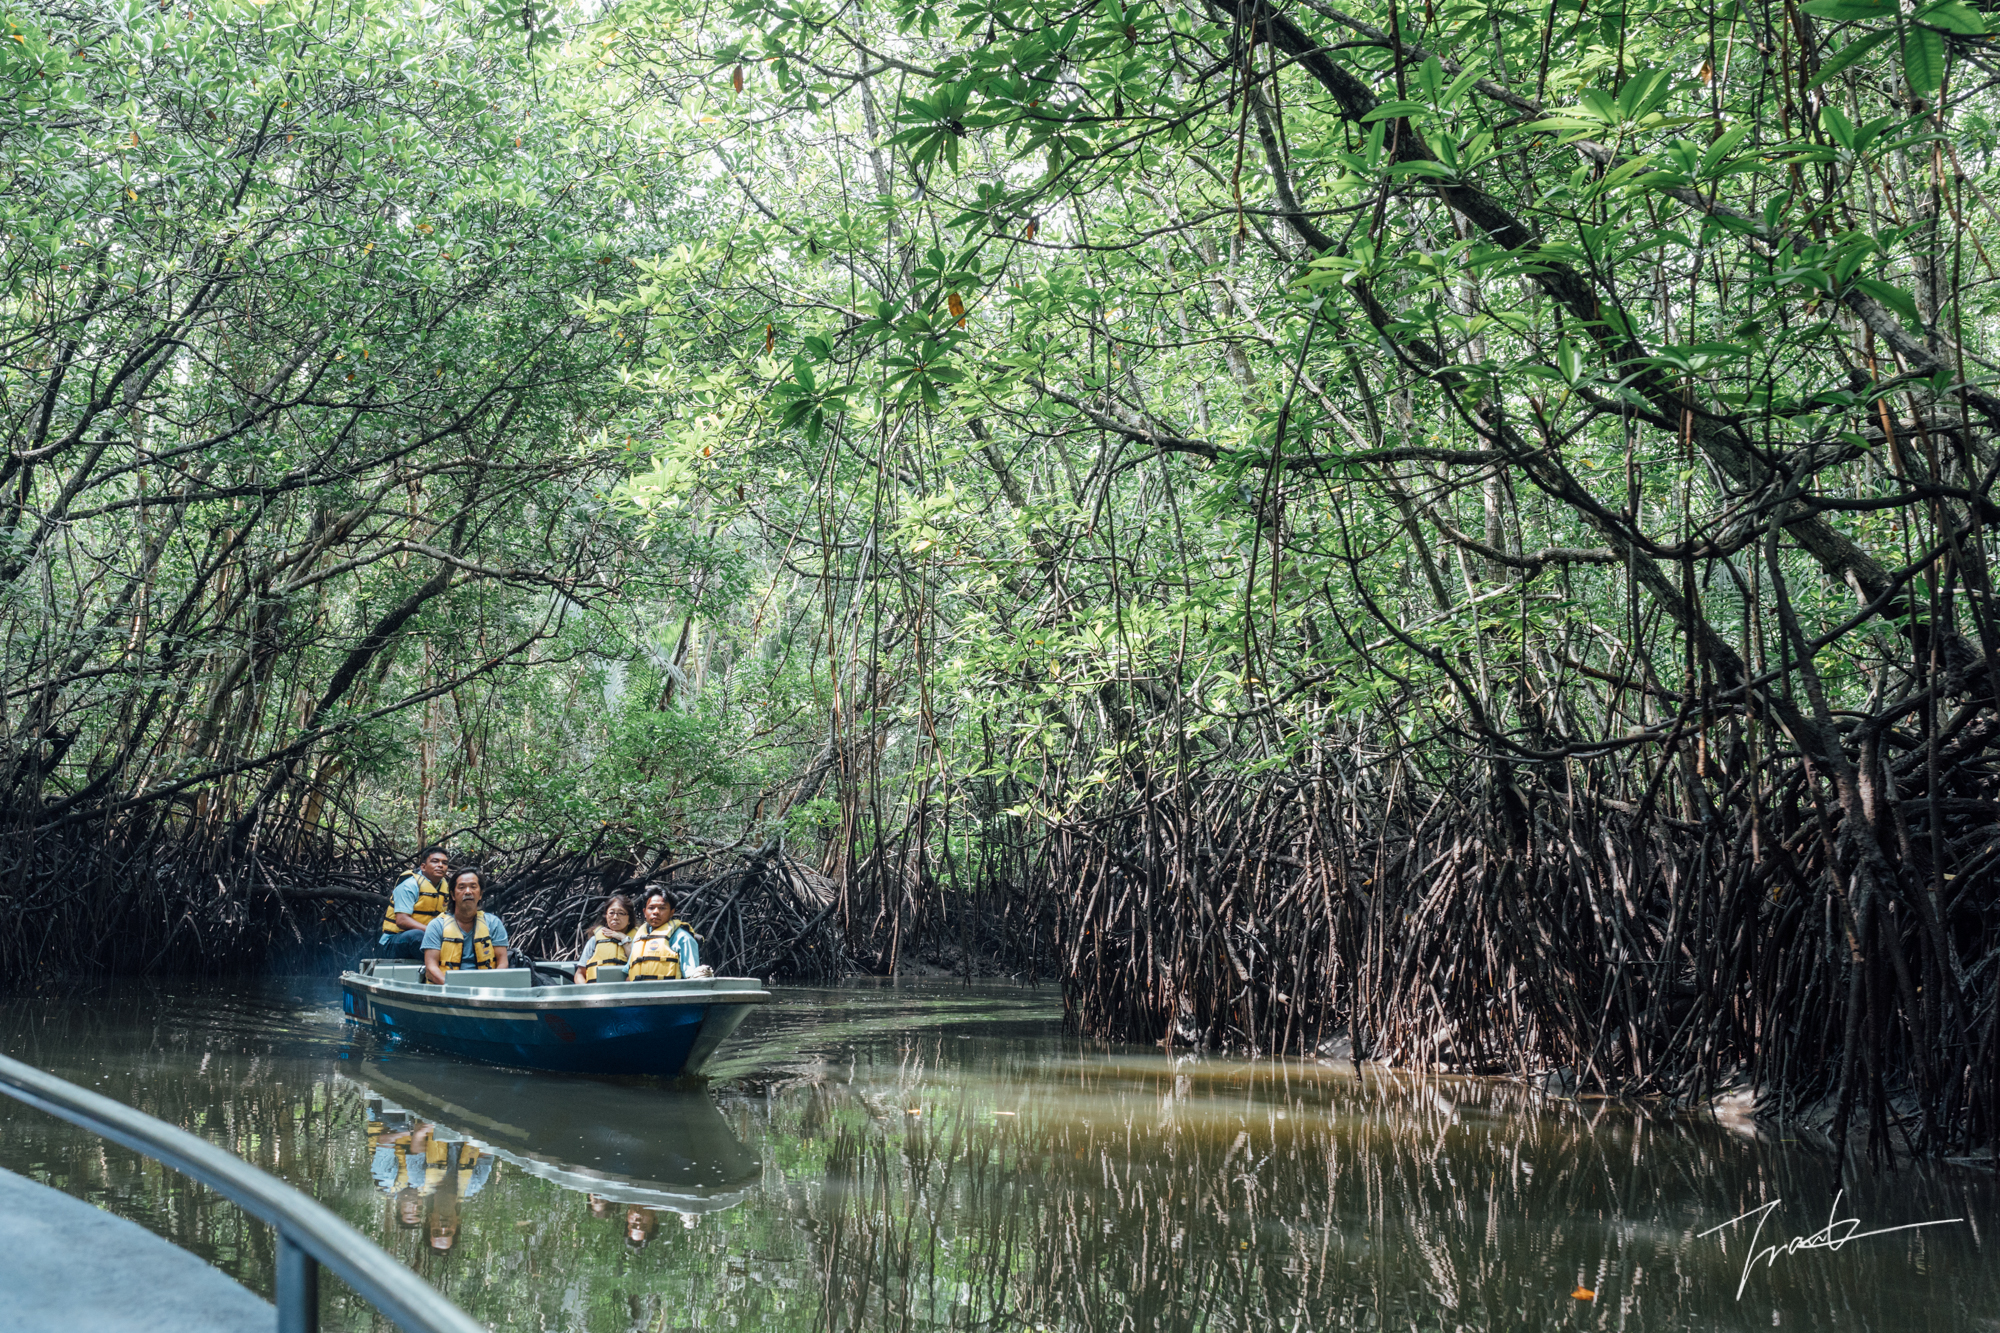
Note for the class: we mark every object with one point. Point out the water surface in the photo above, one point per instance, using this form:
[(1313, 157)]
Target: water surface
[(943, 1158)]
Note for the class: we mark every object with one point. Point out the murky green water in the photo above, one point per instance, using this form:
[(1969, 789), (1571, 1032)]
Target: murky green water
[(944, 1159)]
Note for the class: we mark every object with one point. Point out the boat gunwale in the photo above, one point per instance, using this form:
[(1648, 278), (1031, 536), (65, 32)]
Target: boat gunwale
[(535, 999)]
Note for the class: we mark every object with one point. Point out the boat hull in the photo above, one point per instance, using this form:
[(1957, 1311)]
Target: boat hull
[(665, 1028)]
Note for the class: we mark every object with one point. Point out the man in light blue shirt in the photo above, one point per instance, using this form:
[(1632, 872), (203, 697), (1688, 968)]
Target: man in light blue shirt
[(418, 900), (468, 938)]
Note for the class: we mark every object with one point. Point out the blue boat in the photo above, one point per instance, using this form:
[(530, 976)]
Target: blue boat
[(500, 1017)]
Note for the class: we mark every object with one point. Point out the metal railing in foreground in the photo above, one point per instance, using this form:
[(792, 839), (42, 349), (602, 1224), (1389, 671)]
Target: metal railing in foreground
[(309, 1234)]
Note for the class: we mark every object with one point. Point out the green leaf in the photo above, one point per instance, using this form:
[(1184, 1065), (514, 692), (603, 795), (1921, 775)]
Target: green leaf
[(1644, 93), (1846, 10), (1850, 53), (1596, 102), (1430, 77), (1923, 59), (1953, 16), (1894, 297), (1391, 111), (1564, 124), (1837, 126), (1569, 361), (1466, 78), (1718, 151)]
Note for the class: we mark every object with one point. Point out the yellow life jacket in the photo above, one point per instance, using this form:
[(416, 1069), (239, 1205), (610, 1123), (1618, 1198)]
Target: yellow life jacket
[(432, 901), (438, 1163), (451, 955), (597, 952), (652, 956)]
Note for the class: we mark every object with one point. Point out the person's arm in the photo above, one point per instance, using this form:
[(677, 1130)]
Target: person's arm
[(499, 934), (404, 902), (383, 1167), (688, 948), (434, 951)]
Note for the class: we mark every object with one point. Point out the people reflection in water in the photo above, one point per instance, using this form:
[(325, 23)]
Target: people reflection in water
[(427, 1172), (393, 1138), (453, 1172), (442, 1227), (599, 1205), (640, 1224)]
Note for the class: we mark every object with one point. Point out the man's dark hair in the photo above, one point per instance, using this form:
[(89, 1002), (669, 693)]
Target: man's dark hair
[(660, 891), (435, 847), (460, 873)]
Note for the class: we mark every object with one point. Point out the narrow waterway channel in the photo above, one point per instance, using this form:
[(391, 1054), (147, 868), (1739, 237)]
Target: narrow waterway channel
[(943, 1158)]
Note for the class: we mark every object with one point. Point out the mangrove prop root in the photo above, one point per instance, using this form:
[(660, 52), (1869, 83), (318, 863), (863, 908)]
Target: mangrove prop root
[(1597, 925)]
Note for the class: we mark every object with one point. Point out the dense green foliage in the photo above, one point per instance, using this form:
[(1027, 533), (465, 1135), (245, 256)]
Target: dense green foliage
[(308, 490), (1154, 349), (1464, 524)]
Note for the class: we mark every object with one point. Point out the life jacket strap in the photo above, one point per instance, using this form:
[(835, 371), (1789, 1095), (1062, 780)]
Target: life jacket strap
[(451, 956)]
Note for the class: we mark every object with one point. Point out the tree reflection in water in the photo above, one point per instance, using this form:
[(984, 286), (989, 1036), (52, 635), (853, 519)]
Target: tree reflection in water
[(896, 1162), (1212, 1195)]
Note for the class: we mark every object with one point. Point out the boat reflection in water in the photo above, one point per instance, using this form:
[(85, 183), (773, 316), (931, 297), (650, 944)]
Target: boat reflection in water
[(436, 1129)]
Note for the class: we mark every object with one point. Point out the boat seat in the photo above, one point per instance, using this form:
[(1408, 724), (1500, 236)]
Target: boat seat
[(505, 978), (386, 971), (608, 972)]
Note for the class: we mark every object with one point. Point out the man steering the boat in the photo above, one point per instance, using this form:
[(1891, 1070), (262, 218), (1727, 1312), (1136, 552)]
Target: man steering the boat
[(468, 938), (418, 900)]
